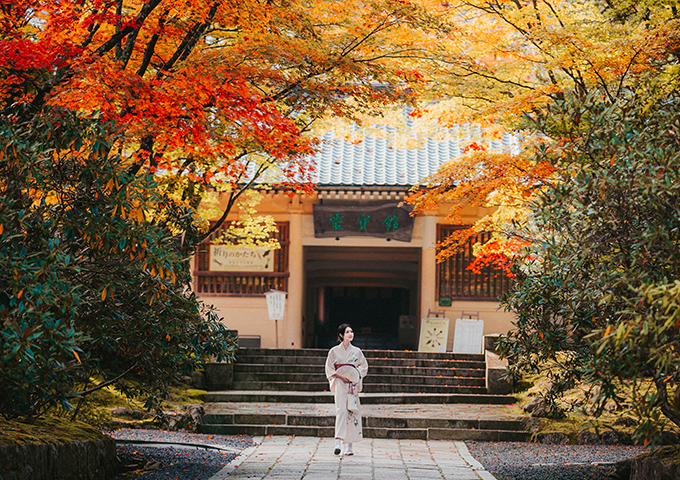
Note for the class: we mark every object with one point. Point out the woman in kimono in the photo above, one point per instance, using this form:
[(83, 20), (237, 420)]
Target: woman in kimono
[(346, 366)]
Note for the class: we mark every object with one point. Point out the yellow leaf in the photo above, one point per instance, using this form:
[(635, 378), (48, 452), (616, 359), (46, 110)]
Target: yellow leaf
[(609, 329), (168, 337), (75, 354), (2, 228), (103, 294)]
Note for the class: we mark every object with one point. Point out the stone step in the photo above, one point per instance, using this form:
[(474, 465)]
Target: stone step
[(367, 421), (368, 388), (318, 352), (366, 398), (371, 432), (377, 362), (245, 370), (370, 379), (484, 422)]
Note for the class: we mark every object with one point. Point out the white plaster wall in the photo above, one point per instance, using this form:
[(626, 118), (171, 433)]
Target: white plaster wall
[(249, 316)]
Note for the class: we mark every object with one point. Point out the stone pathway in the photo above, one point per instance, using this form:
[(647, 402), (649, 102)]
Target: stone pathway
[(310, 458)]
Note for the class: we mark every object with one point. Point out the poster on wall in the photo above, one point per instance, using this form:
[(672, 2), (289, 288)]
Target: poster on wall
[(433, 334), (224, 258), (468, 335)]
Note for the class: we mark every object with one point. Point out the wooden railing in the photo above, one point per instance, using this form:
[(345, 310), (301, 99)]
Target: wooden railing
[(239, 283)]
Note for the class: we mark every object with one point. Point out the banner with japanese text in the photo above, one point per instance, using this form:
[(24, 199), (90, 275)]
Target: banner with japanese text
[(391, 221), (226, 258)]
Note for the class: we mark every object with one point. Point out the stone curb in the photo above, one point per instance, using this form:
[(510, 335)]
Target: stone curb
[(223, 448), (233, 465), (476, 466)]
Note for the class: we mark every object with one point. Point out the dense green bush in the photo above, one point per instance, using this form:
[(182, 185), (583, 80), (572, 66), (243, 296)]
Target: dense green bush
[(598, 290), (94, 270)]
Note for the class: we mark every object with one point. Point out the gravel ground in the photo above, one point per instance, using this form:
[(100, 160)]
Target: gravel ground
[(239, 442), (170, 462), (505, 460), (531, 461)]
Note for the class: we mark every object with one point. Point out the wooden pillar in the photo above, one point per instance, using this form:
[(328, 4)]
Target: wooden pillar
[(291, 337), (428, 266)]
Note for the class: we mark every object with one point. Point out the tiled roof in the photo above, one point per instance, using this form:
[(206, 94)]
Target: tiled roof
[(380, 161), (383, 156)]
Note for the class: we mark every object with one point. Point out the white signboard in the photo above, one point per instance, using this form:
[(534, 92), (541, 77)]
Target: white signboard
[(468, 335), (276, 304), (433, 334), (240, 259)]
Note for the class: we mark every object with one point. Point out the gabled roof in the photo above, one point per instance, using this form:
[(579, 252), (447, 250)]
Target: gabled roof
[(389, 161)]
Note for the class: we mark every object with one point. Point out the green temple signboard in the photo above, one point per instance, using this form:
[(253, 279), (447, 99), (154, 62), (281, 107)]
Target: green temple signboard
[(392, 221)]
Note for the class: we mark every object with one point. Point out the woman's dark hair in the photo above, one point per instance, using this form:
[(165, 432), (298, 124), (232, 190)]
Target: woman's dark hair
[(341, 330)]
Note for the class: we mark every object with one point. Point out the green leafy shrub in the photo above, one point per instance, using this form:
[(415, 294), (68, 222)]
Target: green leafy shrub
[(94, 270), (597, 293)]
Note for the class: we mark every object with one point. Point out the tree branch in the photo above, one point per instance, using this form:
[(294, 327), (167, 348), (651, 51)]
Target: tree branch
[(188, 42), (666, 408), (105, 384)]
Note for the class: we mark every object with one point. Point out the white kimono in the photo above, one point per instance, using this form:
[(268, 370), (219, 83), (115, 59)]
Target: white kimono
[(347, 407)]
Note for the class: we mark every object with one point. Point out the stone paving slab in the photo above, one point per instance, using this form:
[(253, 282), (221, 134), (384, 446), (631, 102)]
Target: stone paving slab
[(458, 411), (400, 398), (311, 458)]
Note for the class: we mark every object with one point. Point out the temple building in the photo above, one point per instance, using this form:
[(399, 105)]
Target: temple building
[(353, 253)]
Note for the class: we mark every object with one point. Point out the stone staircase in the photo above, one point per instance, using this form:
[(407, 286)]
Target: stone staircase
[(406, 395)]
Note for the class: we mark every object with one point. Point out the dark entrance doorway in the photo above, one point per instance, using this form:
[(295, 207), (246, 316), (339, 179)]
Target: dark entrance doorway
[(373, 289), (373, 312)]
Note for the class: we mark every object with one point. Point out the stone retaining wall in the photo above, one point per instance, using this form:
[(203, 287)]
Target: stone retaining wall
[(79, 460)]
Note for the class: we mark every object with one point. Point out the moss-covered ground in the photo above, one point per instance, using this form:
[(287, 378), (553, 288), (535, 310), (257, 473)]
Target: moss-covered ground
[(93, 418), (48, 429), (579, 417)]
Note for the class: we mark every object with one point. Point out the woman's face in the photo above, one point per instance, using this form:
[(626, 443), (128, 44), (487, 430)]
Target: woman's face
[(349, 334)]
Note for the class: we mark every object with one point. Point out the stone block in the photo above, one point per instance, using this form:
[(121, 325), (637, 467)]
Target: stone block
[(78, 460), (384, 422), (198, 380), (219, 376), (259, 419), (557, 438), (489, 342), (662, 464), (498, 382)]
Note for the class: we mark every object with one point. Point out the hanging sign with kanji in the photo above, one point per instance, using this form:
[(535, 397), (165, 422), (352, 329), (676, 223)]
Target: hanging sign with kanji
[(391, 221)]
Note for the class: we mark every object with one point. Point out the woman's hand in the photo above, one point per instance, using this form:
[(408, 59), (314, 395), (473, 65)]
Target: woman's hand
[(341, 378)]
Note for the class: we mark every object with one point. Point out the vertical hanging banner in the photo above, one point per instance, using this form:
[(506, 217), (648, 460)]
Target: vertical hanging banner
[(385, 221), (276, 304)]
